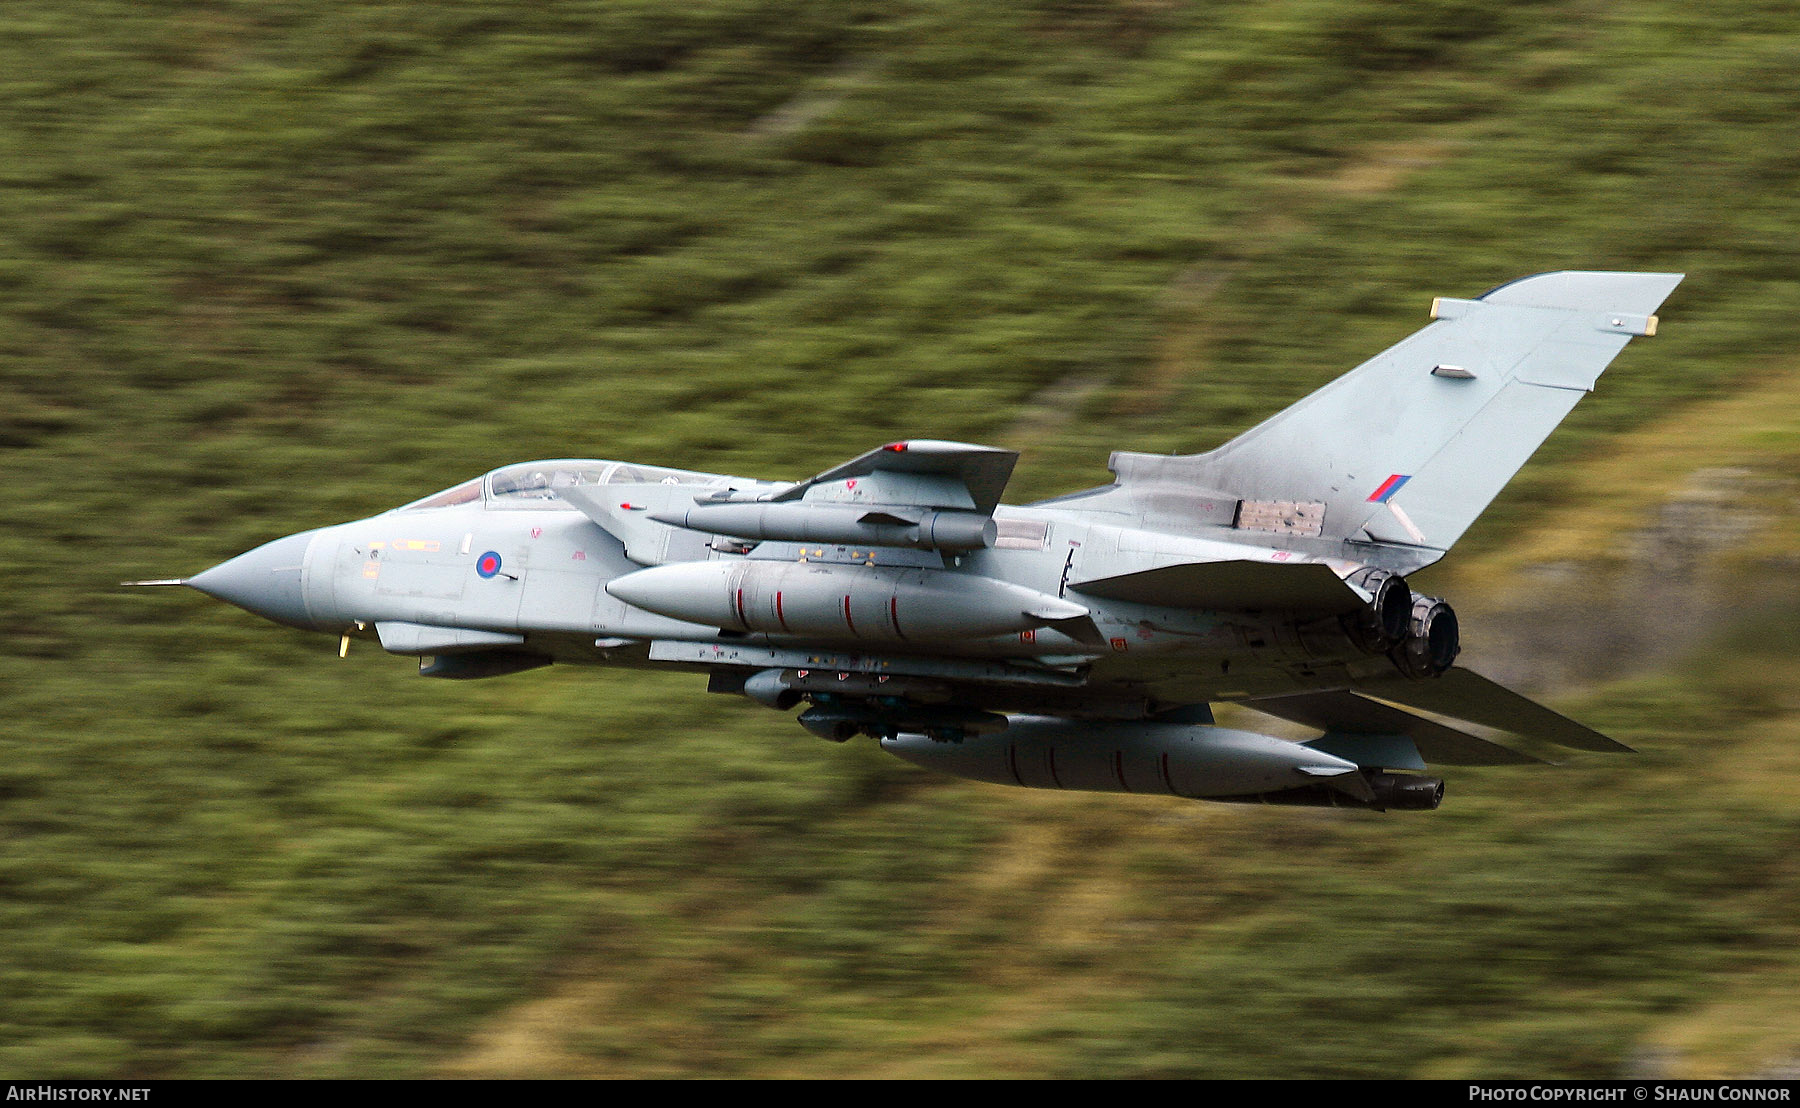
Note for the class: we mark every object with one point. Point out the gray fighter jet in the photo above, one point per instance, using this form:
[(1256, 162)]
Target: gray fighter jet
[(1075, 643)]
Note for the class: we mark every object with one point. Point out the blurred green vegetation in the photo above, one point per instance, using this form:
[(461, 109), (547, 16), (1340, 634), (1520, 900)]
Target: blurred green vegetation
[(271, 264)]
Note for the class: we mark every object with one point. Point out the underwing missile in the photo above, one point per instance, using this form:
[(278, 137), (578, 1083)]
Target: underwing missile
[(796, 521)]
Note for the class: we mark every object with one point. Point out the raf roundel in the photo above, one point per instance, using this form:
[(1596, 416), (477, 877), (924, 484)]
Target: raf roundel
[(488, 564)]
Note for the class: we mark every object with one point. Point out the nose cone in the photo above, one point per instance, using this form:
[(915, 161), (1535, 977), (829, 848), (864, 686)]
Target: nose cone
[(268, 581)]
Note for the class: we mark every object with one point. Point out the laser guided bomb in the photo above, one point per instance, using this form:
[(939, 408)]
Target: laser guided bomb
[(1074, 643)]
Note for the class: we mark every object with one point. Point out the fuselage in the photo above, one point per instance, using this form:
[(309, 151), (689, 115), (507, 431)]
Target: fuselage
[(898, 597), (505, 555)]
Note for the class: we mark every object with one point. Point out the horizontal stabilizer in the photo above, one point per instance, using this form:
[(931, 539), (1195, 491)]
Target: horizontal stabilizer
[(1466, 695), (1346, 713), (1242, 586)]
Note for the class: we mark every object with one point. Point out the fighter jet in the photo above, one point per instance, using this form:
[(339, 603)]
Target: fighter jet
[(1072, 643)]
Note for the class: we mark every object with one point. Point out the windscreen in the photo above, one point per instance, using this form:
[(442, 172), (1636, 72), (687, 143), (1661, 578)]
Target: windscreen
[(466, 493)]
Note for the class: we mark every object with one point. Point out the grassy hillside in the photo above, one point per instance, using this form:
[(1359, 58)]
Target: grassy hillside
[(270, 265)]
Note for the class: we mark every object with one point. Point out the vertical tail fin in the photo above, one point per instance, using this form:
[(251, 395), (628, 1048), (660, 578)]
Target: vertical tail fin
[(1412, 445)]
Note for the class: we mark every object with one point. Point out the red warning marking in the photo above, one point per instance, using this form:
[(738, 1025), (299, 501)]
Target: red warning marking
[(740, 610), (848, 622), (894, 615), (781, 618), (1028, 636), (1120, 645)]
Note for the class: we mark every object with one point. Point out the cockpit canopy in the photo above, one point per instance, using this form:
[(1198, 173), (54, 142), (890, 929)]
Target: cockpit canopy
[(533, 485)]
